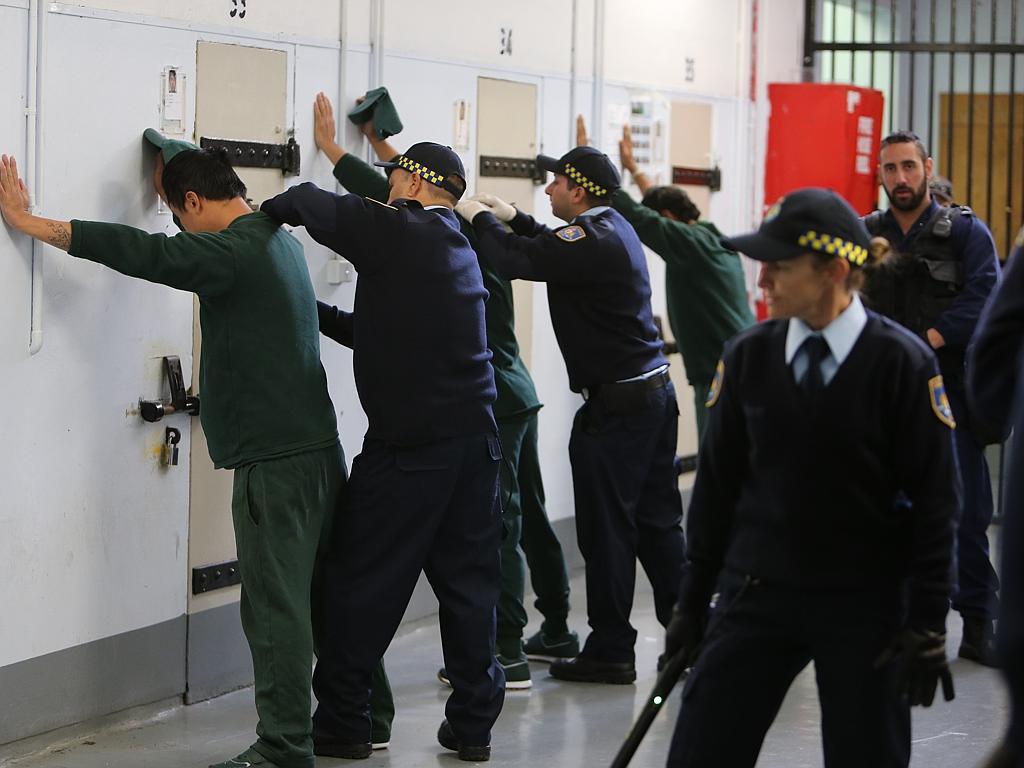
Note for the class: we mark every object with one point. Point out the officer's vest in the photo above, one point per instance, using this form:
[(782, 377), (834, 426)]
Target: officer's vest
[(915, 287)]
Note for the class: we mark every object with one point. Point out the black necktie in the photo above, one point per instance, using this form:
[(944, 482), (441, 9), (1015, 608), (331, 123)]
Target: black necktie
[(816, 349)]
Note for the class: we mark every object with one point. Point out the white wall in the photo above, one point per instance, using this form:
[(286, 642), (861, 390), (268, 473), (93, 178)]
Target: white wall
[(94, 532)]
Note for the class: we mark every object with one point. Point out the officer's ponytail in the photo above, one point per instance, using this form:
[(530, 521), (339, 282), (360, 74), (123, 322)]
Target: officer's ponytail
[(878, 254)]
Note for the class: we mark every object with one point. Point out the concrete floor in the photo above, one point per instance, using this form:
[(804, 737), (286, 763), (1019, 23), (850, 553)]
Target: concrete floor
[(554, 724)]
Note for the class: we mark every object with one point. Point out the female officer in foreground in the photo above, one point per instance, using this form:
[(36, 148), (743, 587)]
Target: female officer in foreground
[(822, 422)]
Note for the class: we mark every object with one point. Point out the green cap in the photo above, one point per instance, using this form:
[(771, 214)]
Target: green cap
[(377, 105), (168, 147)]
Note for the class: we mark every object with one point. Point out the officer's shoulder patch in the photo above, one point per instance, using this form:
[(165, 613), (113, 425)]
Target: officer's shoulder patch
[(715, 390), (571, 233), (383, 205), (940, 402)]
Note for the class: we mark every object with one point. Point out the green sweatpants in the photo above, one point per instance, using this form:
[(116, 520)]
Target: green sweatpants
[(510, 611), (283, 510), (543, 551)]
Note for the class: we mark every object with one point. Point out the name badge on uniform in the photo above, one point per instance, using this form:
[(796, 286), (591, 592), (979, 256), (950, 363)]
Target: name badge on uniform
[(571, 234), (716, 385), (940, 402)]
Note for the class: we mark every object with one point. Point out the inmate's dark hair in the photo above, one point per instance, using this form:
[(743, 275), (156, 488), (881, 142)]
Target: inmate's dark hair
[(207, 172), (905, 137), (674, 200)]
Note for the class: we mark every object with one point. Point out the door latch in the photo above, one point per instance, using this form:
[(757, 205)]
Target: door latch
[(180, 401)]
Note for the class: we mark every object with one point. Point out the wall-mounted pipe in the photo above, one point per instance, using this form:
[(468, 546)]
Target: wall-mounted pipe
[(33, 177), (597, 132), (572, 76), (376, 43)]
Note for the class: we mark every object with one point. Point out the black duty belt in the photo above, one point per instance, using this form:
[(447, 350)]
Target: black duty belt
[(626, 389)]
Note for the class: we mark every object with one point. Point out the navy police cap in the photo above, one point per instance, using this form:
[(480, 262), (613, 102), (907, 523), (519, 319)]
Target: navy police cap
[(436, 163), (809, 219), (586, 166)]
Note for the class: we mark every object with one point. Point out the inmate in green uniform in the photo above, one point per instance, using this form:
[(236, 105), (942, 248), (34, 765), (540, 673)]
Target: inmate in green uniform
[(515, 410), (267, 414), (704, 285)]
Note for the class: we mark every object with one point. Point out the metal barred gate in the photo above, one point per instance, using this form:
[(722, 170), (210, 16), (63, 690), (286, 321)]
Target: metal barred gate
[(952, 71)]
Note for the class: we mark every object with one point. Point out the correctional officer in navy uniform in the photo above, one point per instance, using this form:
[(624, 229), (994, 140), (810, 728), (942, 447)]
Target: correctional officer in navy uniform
[(995, 378), (820, 421), (622, 447), (944, 269), (423, 491)]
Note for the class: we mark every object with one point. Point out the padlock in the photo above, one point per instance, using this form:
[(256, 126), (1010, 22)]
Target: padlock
[(169, 454)]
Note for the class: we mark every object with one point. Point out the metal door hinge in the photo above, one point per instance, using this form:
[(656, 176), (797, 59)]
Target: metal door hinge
[(258, 154), (511, 168), (216, 576), (698, 177)]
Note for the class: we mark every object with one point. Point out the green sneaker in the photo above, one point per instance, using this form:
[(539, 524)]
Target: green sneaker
[(248, 759), (517, 674), (540, 647)]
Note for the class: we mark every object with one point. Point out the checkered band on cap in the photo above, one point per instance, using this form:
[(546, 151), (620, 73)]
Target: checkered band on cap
[(853, 253), (413, 167), (583, 181)]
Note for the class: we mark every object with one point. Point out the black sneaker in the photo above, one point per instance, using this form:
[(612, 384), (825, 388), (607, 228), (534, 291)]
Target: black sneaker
[(584, 670), (541, 647), (356, 751), (471, 754), (979, 642)]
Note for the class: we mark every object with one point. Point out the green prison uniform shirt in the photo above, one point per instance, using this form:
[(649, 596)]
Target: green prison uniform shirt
[(516, 392), (263, 388), (704, 283)]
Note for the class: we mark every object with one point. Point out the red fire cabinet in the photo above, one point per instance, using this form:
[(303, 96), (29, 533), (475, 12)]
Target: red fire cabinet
[(824, 135)]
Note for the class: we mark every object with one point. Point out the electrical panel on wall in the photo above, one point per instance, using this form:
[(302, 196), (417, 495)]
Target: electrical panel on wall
[(648, 116)]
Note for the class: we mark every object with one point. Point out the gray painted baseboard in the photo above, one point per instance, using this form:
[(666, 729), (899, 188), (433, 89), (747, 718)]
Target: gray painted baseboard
[(200, 656), (218, 655), (91, 680)]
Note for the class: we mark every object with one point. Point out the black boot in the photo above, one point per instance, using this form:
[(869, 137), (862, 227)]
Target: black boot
[(979, 641), (471, 753)]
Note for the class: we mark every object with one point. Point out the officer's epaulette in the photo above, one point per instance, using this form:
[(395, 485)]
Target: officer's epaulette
[(406, 203), (571, 234), (965, 210), (383, 205)]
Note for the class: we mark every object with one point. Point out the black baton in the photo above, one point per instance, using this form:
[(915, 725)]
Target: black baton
[(667, 679)]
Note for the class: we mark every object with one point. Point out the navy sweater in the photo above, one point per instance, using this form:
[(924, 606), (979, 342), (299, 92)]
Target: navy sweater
[(806, 496), (599, 292), (417, 331)]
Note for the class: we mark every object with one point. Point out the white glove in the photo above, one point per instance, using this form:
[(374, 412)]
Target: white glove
[(470, 208), (502, 211)]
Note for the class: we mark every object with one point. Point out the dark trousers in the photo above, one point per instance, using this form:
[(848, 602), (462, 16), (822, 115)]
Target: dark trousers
[(627, 507), (977, 579), (758, 640), (431, 508), (544, 556)]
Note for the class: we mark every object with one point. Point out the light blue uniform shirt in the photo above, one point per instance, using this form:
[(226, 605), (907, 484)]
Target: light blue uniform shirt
[(840, 335)]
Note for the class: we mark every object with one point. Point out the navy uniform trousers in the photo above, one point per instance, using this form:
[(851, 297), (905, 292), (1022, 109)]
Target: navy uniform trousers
[(759, 638), (431, 508), (975, 596), (628, 506)]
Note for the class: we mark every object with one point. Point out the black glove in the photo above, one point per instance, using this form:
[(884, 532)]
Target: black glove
[(921, 654), (684, 633)]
